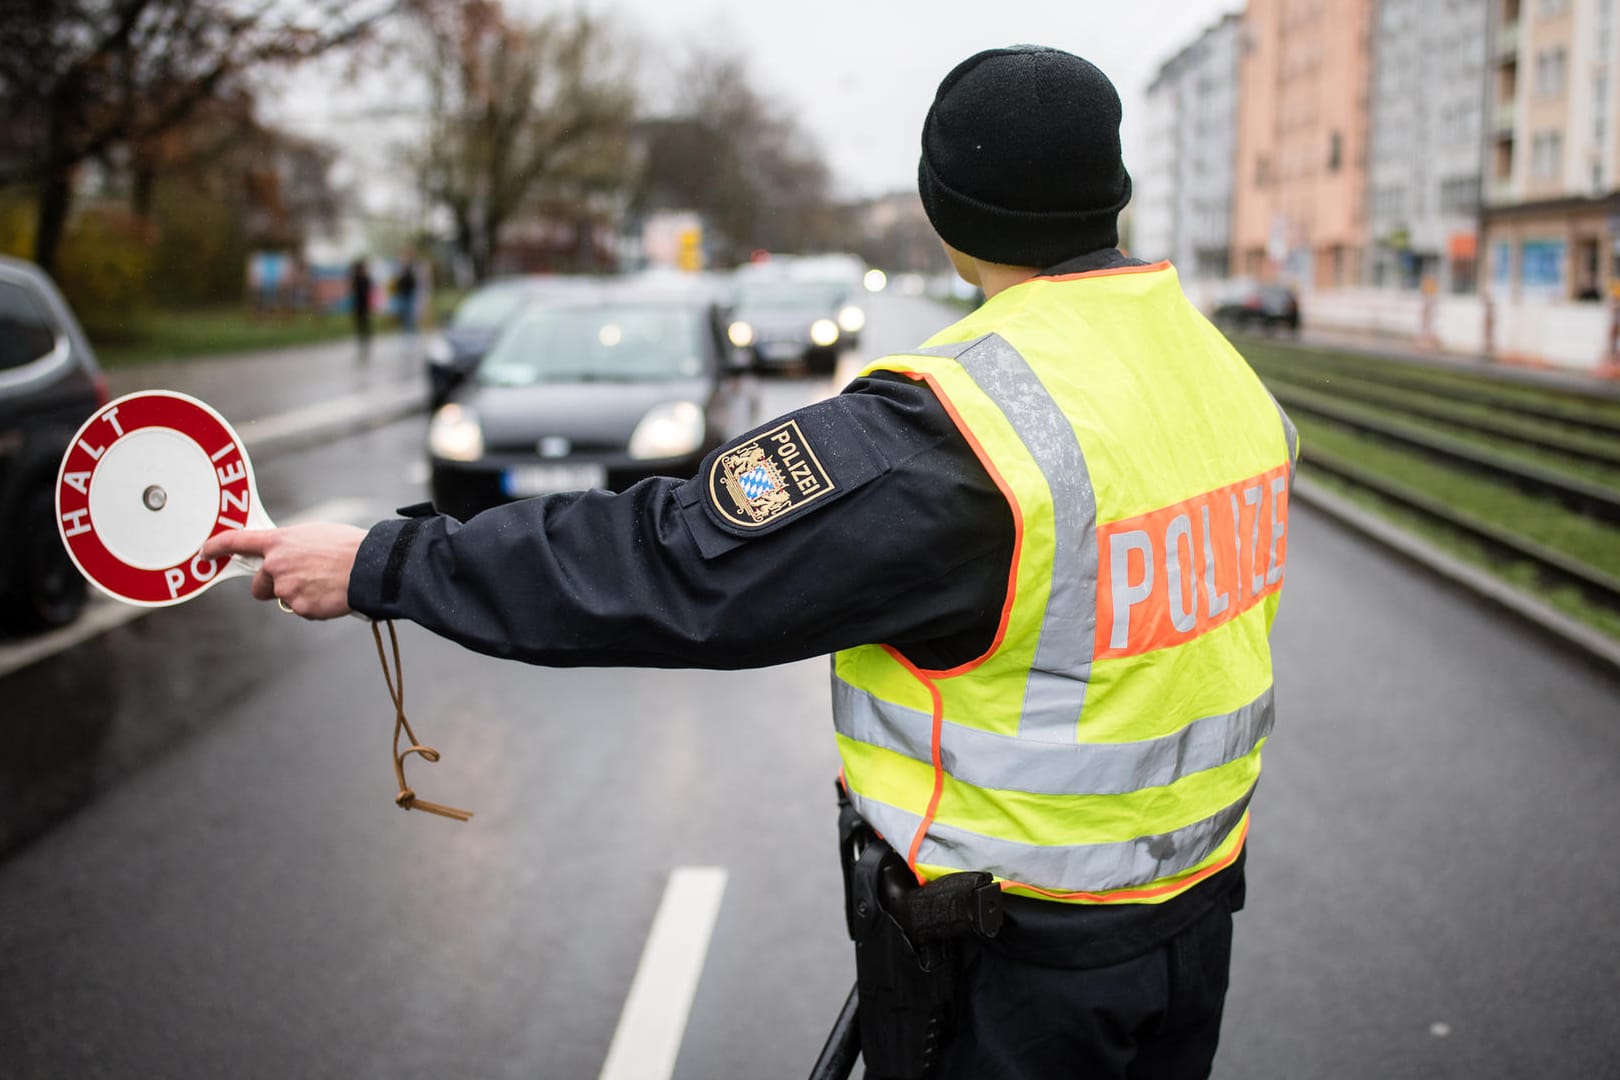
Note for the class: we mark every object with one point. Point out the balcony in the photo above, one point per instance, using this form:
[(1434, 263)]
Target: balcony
[(1507, 40), (1504, 115)]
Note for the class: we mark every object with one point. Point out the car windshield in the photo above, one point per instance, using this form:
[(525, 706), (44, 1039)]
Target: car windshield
[(489, 308), (599, 343), (789, 296)]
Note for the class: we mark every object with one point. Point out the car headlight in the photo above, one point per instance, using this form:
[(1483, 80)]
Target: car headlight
[(438, 351), (455, 434), (851, 319), (741, 334), (669, 430), (875, 280), (824, 332)]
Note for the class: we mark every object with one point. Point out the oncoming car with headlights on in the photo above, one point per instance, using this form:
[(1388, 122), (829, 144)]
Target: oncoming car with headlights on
[(599, 389), (789, 323)]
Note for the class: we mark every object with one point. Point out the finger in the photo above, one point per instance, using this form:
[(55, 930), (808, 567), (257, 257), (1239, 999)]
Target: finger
[(264, 586), (251, 542)]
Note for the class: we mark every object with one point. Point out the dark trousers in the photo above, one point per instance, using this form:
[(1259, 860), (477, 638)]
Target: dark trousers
[(1154, 1017)]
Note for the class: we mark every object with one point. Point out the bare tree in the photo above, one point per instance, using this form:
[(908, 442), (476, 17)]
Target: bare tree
[(740, 160), (80, 77), (519, 114)]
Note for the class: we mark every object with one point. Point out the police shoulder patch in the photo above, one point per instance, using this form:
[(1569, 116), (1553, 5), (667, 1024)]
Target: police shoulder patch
[(767, 478)]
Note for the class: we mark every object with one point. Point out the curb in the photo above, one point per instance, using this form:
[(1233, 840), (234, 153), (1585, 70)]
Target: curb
[(1594, 643), (323, 421)]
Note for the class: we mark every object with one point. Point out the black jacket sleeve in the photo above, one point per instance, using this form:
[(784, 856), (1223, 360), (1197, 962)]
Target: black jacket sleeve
[(912, 547)]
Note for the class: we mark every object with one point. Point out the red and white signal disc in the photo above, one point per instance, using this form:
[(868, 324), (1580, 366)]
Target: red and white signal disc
[(146, 481)]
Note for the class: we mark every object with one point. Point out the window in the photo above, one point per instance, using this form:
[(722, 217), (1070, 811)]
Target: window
[(25, 333), (1459, 195), (1546, 155), (1335, 152), (1551, 68), (1541, 267)]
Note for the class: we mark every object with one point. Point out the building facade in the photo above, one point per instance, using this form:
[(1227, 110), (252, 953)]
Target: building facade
[(1426, 151), (1552, 185), (1299, 209), (1184, 192)]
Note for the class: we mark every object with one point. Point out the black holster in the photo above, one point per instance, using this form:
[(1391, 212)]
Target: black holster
[(907, 946)]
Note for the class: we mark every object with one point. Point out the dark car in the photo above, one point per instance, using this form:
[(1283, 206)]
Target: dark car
[(478, 320), (789, 323), (599, 389), (49, 385), (1251, 305)]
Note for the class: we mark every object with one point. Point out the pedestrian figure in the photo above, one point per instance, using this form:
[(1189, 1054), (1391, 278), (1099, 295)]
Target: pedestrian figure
[(360, 304), (405, 296), (1045, 548)]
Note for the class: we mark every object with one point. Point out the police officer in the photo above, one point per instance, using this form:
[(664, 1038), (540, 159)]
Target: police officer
[(1045, 550)]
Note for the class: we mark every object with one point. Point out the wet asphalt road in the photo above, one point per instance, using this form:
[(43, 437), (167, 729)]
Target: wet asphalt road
[(236, 895)]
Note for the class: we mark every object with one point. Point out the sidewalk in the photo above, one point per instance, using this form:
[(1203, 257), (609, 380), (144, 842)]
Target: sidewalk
[(280, 398), (1386, 347)]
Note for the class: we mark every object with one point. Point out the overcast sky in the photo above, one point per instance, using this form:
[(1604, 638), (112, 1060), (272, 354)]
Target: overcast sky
[(861, 73), (858, 74)]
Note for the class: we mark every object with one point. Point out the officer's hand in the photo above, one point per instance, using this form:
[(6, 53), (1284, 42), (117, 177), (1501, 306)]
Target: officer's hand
[(306, 567)]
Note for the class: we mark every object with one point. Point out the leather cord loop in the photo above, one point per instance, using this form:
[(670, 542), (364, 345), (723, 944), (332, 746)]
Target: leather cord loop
[(395, 678)]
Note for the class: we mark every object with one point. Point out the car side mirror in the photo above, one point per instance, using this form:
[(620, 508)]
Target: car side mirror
[(443, 378)]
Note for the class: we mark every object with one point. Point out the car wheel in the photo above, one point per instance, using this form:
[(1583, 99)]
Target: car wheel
[(48, 590)]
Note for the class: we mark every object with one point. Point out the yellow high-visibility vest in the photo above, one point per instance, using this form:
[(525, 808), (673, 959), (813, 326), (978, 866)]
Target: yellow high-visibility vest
[(1105, 747)]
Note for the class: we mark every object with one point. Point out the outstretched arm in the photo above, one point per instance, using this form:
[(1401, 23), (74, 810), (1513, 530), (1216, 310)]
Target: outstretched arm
[(307, 567)]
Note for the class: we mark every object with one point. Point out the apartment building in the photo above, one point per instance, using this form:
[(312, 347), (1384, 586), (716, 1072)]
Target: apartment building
[(1426, 142), (1299, 209), (1183, 193), (1552, 186)]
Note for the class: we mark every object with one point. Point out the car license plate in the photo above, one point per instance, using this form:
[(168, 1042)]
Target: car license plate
[(522, 481), (781, 350)]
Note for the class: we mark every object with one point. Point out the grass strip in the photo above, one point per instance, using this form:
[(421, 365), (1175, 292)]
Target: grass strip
[(1492, 452), (1466, 415), (1565, 598), (1569, 403), (1542, 520), (180, 335)]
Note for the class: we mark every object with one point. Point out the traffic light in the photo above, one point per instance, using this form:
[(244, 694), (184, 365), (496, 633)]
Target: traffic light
[(689, 255)]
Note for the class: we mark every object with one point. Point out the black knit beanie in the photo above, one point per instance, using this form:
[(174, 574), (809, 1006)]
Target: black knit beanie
[(1020, 157)]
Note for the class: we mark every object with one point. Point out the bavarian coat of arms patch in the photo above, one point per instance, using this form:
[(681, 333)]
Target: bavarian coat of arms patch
[(757, 482)]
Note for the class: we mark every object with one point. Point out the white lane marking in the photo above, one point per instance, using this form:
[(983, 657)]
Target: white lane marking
[(654, 1018), (313, 417), (103, 614)]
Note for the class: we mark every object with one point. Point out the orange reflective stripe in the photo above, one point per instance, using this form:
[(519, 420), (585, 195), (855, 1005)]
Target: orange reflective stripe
[(1150, 268), (1175, 573)]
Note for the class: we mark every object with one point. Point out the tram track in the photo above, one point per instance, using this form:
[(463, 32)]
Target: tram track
[(1518, 479)]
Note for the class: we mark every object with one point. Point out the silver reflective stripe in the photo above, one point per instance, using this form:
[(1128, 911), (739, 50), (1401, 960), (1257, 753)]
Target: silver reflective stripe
[(1009, 763), (1056, 691), (1290, 435), (1065, 868)]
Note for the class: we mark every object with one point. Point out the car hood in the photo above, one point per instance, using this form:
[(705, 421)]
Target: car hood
[(470, 342), (780, 320), (598, 415)]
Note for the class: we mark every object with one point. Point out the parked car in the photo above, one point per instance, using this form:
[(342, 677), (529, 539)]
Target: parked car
[(49, 385), (1245, 304), (789, 323), (478, 320), (600, 388)]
